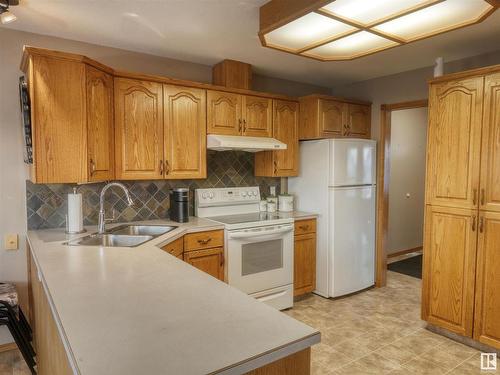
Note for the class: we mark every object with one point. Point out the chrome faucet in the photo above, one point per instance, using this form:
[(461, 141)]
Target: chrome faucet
[(101, 226)]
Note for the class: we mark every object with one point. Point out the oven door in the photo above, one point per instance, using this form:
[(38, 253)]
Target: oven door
[(260, 258)]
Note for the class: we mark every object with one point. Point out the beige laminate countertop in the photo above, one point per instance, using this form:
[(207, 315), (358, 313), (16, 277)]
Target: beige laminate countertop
[(140, 310), (298, 215)]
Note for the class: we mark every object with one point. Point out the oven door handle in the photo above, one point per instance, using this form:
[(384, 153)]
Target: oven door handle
[(259, 233)]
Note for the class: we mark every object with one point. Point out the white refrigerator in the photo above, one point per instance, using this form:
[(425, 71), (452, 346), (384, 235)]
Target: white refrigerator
[(338, 182)]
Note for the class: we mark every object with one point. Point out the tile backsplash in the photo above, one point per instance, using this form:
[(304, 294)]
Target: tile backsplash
[(47, 204)]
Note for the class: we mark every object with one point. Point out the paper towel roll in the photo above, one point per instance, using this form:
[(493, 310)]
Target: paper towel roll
[(75, 213)]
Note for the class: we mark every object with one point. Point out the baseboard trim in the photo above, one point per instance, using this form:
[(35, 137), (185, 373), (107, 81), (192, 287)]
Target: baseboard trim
[(403, 252), (7, 347)]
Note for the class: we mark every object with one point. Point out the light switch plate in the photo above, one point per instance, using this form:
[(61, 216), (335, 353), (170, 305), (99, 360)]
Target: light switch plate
[(11, 242)]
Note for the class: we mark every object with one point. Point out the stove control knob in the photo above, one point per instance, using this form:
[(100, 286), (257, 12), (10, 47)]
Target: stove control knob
[(254, 193), (204, 195), (211, 195), (244, 194)]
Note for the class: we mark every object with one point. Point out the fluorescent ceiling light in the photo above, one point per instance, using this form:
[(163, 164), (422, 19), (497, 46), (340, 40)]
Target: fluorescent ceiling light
[(362, 42), (306, 30), (368, 11), (348, 29)]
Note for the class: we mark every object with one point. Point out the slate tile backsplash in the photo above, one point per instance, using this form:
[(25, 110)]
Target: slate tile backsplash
[(47, 204)]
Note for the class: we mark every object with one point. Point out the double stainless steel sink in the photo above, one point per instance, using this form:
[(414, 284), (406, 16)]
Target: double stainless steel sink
[(123, 236)]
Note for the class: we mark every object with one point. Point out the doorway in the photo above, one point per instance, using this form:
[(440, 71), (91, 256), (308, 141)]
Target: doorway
[(401, 182)]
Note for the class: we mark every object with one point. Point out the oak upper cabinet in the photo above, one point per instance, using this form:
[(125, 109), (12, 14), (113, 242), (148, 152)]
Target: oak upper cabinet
[(100, 127), (71, 117), (453, 143), (184, 132), (304, 262), (490, 150), (138, 129), (224, 113), (282, 163), (487, 312), (322, 116), (358, 122), (257, 116), (449, 268)]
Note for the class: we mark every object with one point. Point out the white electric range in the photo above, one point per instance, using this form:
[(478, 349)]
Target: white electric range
[(259, 245)]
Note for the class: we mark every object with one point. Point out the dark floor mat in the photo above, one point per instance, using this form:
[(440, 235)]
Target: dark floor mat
[(411, 266)]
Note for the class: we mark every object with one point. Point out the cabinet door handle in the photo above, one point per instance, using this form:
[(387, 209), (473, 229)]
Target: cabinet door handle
[(483, 196), (239, 125), (275, 167), (304, 227), (222, 260), (167, 167), (204, 242), (474, 223), (161, 167), (244, 125), (92, 167), (481, 224), (474, 196)]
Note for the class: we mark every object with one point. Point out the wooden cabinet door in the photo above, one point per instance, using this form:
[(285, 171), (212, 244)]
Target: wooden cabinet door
[(100, 133), (138, 129), (358, 123), (223, 113), (210, 261), (57, 89), (449, 268), (304, 275), (487, 313), (257, 116), (453, 143), (185, 132), (490, 150), (331, 118), (286, 130)]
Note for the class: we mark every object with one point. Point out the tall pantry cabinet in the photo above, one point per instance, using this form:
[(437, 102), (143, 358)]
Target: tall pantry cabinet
[(461, 277)]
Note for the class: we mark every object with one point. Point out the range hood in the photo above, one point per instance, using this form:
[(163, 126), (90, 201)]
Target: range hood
[(248, 144)]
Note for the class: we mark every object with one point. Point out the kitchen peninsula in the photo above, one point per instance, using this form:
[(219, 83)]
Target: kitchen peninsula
[(120, 310)]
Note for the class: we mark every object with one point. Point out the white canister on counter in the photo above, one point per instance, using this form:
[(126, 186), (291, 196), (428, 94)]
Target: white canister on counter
[(263, 205), (74, 218), (285, 203), (271, 206)]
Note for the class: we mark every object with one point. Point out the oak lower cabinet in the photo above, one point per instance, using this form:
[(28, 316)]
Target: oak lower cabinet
[(304, 262), (487, 307), (282, 163), (51, 356), (210, 261), (205, 251), (235, 114), (323, 116), (71, 117), (449, 268), (160, 131)]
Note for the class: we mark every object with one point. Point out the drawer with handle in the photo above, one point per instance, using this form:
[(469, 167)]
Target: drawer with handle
[(204, 240), (175, 248), (305, 226)]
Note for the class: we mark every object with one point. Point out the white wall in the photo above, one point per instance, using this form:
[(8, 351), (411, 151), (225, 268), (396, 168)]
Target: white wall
[(407, 179), (12, 169)]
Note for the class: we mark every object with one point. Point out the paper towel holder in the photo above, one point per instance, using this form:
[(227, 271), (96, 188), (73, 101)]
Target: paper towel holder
[(75, 191)]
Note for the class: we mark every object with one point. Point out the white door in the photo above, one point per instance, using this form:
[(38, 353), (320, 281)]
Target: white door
[(260, 258), (352, 162), (351, 239)]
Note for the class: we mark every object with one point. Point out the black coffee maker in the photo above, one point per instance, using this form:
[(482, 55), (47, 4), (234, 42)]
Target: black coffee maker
[(179, 205)]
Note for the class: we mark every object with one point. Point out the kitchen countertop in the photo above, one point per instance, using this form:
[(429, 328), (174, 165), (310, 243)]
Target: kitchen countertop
[(298, 215), (141, 310)]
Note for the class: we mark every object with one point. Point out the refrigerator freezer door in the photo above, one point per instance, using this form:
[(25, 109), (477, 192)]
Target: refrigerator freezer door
[(352, 162), (352, 239)]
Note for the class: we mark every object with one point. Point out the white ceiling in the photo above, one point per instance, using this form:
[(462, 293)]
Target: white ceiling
[(207, 31)]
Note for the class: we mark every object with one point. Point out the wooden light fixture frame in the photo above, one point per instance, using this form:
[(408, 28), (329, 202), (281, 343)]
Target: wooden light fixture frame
[(277, 13)]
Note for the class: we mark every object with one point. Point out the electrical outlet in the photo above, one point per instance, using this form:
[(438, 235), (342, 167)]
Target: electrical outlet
[(11, 242)]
